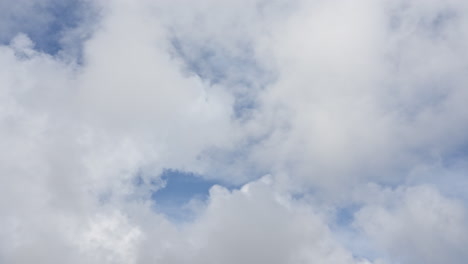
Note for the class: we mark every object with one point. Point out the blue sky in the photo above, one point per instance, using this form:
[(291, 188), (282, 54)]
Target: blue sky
[(45, 23), (179, 189)]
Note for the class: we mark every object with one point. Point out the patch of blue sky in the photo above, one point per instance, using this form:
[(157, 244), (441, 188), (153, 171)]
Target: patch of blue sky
[(448, 177), (238, 70), (179, 190), (351, 237), (218, 65), (44, 23), (459, 156), (341, 223), (64, 15), (345, 215)]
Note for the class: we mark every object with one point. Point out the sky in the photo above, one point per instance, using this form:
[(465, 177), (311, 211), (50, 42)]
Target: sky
[(233, 131)]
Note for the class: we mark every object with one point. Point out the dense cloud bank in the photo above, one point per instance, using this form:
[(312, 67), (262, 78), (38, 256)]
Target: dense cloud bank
[(337, 131)]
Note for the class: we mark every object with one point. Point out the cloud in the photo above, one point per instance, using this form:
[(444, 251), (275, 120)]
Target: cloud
[(355, 112), (416, 224)]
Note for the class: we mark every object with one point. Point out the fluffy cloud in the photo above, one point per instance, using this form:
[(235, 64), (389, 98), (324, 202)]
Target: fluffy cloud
[(356, 111)]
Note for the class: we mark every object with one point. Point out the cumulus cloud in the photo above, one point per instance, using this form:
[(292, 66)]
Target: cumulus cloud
[(336, 131)]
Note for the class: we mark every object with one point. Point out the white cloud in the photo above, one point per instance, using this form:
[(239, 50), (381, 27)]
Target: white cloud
[(416, 224), (335, 95)]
